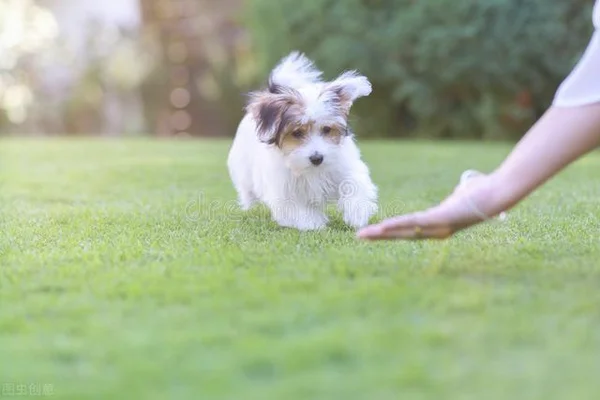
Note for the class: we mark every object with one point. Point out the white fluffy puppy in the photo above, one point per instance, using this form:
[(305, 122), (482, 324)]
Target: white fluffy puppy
[(294, 151)]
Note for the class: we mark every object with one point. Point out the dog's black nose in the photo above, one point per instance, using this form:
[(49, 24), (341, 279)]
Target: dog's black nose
[(316, 159)]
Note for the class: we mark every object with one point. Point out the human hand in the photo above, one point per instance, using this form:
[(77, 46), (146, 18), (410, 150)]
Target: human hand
[(456, 212)]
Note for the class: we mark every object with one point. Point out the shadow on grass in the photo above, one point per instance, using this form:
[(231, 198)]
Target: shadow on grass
[(260, 217)]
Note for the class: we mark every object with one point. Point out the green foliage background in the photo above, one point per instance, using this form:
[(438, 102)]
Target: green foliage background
[(481, 69)]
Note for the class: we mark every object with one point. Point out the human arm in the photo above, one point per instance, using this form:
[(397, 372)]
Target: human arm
[(562, 135)]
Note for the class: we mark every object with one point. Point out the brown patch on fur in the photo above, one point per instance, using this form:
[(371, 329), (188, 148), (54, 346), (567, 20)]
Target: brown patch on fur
[(344, 101), (295, 135), (289, 142), (336, 134), (339, 99), (278, 111), (274, 111)]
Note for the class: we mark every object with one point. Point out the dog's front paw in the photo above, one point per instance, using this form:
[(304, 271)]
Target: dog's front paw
[(246, 200), (357, 213), (305, 221), (300, 218), (306, 225)]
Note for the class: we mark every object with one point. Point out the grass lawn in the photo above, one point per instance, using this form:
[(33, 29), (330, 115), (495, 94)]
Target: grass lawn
[(127, 272)]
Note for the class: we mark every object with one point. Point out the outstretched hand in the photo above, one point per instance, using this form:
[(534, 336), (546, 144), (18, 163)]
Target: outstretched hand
[(465, 207)]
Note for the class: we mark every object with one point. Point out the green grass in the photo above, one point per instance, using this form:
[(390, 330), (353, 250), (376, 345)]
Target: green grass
[(126, 272)]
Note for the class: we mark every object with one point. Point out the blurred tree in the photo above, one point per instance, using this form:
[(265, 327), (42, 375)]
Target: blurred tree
[(46, 87), (205, 66), (26, 30), (445, 68)]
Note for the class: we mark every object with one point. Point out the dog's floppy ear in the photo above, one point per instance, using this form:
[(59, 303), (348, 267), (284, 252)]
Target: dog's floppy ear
[(346, 88), (269, 109)]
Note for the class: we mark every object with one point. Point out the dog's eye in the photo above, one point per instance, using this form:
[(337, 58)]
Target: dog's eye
[(326, 129), (297, 134)]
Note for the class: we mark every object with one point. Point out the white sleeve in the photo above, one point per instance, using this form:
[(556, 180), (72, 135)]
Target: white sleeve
[(582, 86)]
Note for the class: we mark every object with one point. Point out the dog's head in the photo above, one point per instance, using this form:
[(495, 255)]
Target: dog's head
[(306, 118)]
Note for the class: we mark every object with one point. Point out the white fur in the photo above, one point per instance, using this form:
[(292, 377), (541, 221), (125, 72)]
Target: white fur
[(296, 70), (295, 190)]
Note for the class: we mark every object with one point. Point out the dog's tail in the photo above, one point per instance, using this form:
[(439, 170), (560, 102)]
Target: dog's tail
[(295, 70)]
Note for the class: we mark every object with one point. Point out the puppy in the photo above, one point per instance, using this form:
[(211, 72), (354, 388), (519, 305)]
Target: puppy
[(294, 151)]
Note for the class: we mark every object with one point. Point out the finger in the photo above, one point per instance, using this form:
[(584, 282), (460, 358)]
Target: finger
[(393, 235), (380, 229), (420, 225), (401, 222), (415, 233), (370, 231), (427, 220)]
